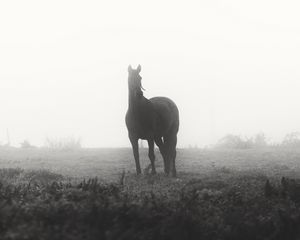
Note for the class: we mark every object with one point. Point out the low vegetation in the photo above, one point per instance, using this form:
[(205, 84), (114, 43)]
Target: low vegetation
[(63, 144), (230, 141), (229, 204)]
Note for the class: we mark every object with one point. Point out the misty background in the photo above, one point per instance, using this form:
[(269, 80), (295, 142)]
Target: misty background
[(230, 66)]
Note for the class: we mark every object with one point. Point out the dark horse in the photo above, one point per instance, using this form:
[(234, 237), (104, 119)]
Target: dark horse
[(155, 120)]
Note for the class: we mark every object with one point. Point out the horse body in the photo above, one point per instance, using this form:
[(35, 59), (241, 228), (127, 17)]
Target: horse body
[(168, 115), (155, 120)]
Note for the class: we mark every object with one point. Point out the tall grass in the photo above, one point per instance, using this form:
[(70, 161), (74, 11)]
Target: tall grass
[(247, 207)]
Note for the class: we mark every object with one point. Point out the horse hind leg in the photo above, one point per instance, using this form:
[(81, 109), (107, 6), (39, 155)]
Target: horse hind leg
[(161, 146), (171, 142), (172, 162)]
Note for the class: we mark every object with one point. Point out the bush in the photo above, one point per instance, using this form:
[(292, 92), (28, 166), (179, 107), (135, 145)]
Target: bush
[(247, 207), (291, 140), (234, 142), (26, 144), (237, 142), (69, 143), (260, 140)]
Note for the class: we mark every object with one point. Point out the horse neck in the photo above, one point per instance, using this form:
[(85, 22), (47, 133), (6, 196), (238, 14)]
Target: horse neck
[(133, 101)]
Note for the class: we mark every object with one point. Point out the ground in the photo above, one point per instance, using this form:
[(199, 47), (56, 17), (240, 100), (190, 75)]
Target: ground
[(95, 194), (108, 164)]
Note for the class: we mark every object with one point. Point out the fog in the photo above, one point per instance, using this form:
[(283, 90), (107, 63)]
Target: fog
[(230, 66)]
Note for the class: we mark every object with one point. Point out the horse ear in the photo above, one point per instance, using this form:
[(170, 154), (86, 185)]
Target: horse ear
[(139, 68), (129, 68)]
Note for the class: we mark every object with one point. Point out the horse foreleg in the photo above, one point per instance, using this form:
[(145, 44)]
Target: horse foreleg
[(151, 155), (135, 149)]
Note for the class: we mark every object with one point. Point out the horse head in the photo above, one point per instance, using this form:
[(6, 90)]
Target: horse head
[(135, 80)]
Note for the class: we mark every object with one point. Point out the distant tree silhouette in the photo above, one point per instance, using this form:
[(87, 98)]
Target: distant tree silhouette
[(26, 144), (291, 140), (231, 141), (260, 140)]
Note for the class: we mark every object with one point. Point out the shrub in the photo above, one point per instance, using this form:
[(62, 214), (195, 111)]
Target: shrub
[(234, 142), (291, 140), (69, 143), (231, 141), (260, 140), (246, 207), (26, 144)]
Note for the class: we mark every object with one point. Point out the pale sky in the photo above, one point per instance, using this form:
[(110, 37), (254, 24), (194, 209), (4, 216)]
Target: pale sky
[(231, 67)]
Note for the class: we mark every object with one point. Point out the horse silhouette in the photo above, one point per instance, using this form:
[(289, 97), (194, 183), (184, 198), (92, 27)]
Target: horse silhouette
[(155, 120)]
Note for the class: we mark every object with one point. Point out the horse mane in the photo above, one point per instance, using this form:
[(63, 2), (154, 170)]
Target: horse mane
[(140, 94)]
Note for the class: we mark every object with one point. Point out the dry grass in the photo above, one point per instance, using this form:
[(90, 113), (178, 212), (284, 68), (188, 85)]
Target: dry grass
[(108, 164), (217, 195)]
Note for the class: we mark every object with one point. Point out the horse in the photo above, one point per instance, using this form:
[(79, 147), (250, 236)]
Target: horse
[(155, 120)]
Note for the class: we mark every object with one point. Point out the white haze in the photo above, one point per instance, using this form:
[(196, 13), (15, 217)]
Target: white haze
[(231, 67)]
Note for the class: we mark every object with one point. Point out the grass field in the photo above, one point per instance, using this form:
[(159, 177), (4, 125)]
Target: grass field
[(108, 164), (95, 194)]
